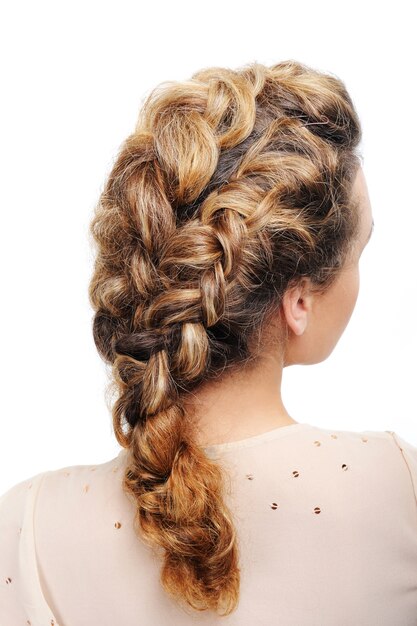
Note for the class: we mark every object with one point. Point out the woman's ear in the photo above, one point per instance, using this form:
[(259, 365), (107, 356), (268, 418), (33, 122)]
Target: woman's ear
[(296, 306)]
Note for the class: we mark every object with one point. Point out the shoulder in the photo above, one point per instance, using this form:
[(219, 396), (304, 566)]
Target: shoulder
[(387, 455), (72, 496), (408, 452), (405, 446), (382, 452), (377, 440), (52, 482), (385, 438), (63, 483), (14, 501)]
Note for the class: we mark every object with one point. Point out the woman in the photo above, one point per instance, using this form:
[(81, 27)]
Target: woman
[(228, 237)]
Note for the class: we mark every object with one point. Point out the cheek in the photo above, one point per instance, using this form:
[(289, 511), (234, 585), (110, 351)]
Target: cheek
[(332, 316), (349, 295), (340, 303), (336, 317)]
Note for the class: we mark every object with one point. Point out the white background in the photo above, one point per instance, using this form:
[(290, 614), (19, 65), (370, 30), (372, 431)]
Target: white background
[(73, 78)]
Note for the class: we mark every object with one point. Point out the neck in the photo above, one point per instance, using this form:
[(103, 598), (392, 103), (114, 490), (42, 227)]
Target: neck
[(240, 405)]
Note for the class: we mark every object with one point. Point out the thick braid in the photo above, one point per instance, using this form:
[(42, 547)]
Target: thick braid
[(233, 185)]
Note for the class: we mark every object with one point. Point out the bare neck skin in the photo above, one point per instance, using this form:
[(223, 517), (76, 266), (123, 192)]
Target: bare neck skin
[(242, 405)]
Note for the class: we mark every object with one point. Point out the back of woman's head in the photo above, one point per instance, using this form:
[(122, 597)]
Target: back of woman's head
[(234, 186)]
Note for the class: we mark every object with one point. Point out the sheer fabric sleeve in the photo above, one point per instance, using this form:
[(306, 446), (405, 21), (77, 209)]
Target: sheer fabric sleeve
[(21, 597), (409, 453)]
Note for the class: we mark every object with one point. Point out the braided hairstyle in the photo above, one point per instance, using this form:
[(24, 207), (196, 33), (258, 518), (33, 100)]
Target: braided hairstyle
[(233, 186)]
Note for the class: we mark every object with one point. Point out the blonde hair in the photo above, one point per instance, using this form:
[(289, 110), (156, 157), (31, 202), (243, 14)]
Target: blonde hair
[(233, 186)]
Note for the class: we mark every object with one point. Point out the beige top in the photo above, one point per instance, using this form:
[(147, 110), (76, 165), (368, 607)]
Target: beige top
[(327, 523)]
